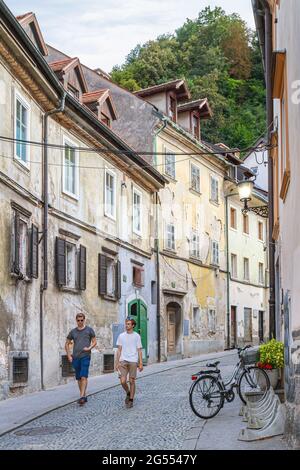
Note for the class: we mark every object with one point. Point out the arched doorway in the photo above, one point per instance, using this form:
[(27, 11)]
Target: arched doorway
[(138, 310), (174, 329)]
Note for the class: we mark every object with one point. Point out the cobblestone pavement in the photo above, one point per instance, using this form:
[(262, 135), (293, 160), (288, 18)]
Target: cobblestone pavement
[(160, 418)]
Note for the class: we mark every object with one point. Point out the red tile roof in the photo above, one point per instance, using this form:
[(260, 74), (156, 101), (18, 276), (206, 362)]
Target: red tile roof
[(93, 95), (179, 86), (25, 15), (59, 65)]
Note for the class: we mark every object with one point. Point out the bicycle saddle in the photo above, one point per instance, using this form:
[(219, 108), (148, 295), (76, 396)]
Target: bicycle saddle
[(213, 364)]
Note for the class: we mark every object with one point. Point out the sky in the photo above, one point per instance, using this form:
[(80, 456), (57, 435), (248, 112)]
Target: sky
[(102, 32)]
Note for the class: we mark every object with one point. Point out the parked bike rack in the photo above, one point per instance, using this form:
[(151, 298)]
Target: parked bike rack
[(265, 418)]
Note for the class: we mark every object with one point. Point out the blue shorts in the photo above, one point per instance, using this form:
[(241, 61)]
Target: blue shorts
[(81, 366)]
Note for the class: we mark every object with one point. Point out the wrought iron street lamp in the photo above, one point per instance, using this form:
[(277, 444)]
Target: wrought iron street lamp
[(245, 189)]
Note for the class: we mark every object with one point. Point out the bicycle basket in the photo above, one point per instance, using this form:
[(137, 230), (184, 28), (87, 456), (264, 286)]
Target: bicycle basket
[(250, 356)]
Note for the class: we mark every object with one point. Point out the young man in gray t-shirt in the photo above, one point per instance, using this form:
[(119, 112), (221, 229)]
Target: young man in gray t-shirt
[(83, 339)]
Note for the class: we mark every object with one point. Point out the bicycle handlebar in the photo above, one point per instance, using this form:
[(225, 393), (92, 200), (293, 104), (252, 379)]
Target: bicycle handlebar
[(243, 349)]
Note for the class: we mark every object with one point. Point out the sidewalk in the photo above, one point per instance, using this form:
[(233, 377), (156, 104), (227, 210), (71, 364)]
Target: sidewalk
[(222, 431), (16, 412)]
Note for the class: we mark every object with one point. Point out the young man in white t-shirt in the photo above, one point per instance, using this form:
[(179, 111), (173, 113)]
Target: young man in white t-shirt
[(128, 359)]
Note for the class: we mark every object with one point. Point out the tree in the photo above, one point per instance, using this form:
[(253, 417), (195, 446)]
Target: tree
[(220, 59)]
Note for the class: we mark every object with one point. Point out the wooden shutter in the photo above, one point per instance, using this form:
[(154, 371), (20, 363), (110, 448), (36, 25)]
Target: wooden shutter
[(34, 252), (16, 261), (82, 267), (102, 275), (60, 261), (118, 280)]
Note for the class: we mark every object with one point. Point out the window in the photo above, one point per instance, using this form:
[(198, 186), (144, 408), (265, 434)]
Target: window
[(246, 224), (137, 276), (70, 169), (20, 370), (211, 320), (233, 265), (110, 194), (196, 318), (232, 172), (25, 248), (195, 126), (195, 178), (195, 245), (233, 218), (214, 189), (22, 129), (71, 270), (105, 119), (215, 253), (260, 231), (172, 109), (70, 265), (137, 211), (260, 273), (170, 164), (73, 91), (170, 239), (246, 269), (109, 277)]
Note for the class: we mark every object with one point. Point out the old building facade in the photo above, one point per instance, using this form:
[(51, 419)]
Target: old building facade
[(71, 253), (278, 25)]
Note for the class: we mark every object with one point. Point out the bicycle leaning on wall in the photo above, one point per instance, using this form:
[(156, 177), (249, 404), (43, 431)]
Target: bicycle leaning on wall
[(208, 391)]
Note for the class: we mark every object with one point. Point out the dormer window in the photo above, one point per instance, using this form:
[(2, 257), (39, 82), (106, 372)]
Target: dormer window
[(105, 119), (73, 91), (172, 108), (195, 126)]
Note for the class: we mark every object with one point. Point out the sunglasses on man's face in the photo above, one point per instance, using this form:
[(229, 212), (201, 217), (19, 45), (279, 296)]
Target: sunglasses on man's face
[(81, 320)]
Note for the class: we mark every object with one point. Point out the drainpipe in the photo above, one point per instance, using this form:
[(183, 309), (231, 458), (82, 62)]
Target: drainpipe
[(157, 260), (157, 278), (44, 285)]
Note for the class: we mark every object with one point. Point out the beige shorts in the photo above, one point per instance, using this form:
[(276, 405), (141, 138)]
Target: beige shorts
[(126, 368)]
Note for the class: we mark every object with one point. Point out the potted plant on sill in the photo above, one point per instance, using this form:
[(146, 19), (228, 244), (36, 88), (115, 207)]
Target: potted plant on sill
[(271, 359)]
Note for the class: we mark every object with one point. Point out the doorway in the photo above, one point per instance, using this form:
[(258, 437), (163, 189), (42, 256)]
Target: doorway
[(173, 329), (233, 327), (247, 325), (261, 326), (138, 310)]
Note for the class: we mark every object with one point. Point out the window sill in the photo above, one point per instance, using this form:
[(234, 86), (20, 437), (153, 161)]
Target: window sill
[(24, 166), (21, 277), (194, 191), (72, 290), (214, 265), (112, 298), (169, 250), (171, 178), (138, 234), (195, 258), (215, 203), (72, 196), (111, 217), (18, 385), (138, 286)]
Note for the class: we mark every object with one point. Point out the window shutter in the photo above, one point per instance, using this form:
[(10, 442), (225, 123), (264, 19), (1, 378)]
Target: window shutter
[(102, 275), (82, 267), (60, 255), (118, 280), (34, 252), (16, 262)]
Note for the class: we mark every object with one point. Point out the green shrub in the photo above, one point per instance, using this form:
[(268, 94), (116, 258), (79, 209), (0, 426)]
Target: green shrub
[(272, 354)]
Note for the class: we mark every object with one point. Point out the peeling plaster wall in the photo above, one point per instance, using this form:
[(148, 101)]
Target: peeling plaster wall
[(202, 286), (85, 221)]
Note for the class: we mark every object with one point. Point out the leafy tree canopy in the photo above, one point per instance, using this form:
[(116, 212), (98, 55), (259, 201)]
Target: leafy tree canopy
[(219, 57)]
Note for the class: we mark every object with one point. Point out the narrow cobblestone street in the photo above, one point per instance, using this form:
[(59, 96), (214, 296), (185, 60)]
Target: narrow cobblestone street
[(160, 419)]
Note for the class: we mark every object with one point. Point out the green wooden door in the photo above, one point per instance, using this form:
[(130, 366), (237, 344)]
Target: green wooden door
[(138, 310)]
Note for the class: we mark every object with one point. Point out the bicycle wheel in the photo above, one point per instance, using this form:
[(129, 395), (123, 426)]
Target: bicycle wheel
[(206, 397), (253, 381)]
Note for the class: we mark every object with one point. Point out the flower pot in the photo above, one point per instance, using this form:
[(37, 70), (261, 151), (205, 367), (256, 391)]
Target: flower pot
[(273, 376)]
